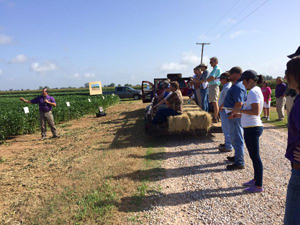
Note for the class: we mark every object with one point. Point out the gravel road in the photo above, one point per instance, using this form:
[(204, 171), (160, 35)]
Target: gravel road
[(197, 189)]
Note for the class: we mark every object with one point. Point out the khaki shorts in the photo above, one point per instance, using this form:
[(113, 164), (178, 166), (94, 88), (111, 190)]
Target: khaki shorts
[(213, 93)]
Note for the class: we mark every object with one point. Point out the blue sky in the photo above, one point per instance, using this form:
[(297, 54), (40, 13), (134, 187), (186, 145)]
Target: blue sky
[(62, 43)]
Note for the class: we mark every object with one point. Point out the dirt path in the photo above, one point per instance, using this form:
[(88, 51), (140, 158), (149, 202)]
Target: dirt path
[(41, 181), (37, 176), (198, 189)]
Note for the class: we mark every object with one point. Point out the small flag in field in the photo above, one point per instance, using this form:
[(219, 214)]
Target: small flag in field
[(26, 110), (68, 104)]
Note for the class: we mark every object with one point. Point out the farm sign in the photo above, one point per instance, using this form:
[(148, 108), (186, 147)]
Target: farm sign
[(95, 88)]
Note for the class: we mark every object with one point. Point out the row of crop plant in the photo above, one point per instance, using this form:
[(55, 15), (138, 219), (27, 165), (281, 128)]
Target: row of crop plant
[(14, 120)]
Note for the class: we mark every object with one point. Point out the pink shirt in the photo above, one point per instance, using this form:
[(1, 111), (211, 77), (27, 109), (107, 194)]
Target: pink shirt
[(266, 93)]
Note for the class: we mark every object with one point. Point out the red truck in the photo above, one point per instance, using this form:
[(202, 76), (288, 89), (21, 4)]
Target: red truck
[(149, 89)]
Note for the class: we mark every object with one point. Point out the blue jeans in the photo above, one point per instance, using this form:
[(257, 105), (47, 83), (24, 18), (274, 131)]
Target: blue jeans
[(292, 207), (204, 99), (251, 136), (195, 95), (225, 129), (162, 115), (237, 140)]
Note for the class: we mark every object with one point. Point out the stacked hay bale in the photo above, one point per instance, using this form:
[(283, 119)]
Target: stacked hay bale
[(179, 123), (192, 119)]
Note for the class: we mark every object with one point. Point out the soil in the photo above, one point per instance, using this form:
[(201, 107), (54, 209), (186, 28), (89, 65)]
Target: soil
[(195, 188)]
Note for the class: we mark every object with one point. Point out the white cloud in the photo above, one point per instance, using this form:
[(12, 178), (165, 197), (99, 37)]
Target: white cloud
[(237, 34), (272, 67), (206, 38), (188, 59), (75, 76), (43, 67), (172, 67), (89, 75), (1, 72), (19, 59), (228, 21), (4, 39)]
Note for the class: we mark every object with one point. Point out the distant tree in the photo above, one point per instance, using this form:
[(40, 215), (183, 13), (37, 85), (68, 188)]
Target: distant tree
[(127, 85), (86, 85), (40, 87), (119, 85), (267, 77), (111, 85)]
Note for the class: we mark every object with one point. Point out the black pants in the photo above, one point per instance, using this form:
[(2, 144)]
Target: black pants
[(251, 136)]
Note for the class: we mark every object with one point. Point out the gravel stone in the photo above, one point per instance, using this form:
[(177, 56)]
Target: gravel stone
[(197, 188)]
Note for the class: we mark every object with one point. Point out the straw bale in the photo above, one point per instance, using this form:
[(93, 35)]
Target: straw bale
[(179, 123), (200, 120)]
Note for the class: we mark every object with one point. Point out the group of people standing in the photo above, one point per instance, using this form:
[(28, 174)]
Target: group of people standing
[(241, 121), (205, 86)]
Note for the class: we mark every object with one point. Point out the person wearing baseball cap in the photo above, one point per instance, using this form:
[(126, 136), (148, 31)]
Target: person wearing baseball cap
[(227, 146), (297, 53), (290, 94), (234, 99), (292, 207), (252, 126)]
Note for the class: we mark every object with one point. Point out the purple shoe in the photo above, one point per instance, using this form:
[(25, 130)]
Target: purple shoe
[(254, 189), (249, 183)]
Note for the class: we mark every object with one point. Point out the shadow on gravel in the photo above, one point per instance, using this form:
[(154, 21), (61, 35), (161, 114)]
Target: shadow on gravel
[(158, 199), (168, 155), (130, 132), (158, 173)]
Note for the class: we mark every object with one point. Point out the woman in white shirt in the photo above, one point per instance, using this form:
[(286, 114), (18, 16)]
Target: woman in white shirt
[(253, 126)]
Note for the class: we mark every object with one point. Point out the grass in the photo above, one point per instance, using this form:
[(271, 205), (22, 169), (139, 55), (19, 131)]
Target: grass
[(274, 118), (106, 179), (97, 204), (2, 160)]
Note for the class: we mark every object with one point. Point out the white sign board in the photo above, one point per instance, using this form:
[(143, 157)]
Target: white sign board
[(100, 109), (89, 100), (68, 104), (26, 110), (102, 97)]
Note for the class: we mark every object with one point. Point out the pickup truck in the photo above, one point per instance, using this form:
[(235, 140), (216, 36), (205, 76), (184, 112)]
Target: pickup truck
[(128, 92)]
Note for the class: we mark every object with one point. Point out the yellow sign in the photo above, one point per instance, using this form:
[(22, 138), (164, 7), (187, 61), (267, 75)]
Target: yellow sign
[(95, 88)]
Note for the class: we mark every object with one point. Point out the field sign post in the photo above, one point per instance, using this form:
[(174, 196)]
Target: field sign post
[(95, 88), (68, 105)]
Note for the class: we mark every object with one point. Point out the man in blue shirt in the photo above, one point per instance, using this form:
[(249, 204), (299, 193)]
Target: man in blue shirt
[(234, 99), (224, 78), (214, 83)]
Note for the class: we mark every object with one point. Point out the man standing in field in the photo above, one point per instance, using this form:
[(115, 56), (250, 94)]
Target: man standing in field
[(280, 98), (213, 89), (46, 102)]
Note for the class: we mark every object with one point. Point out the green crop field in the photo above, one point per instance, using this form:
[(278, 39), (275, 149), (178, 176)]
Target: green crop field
[(14, 121)]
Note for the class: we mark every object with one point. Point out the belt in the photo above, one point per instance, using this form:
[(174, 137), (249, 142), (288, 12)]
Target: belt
[(296, 166)]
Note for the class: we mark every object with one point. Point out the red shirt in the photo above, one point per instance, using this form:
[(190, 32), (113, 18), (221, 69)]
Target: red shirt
[(266, 93)]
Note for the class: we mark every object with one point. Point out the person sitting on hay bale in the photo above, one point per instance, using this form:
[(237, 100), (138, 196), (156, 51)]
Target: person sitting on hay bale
[(174, 103), (166, 93)]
